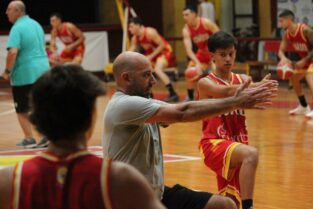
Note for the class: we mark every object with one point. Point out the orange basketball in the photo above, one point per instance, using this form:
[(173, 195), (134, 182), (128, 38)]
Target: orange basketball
[(191, 73), (284, 71)]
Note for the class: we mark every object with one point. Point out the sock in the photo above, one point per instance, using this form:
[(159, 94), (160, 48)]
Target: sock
[(170, 89), (247, 204), (190, 93), (302, 101)]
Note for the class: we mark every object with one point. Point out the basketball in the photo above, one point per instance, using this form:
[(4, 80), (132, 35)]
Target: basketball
[(191, 73), (284, 71)]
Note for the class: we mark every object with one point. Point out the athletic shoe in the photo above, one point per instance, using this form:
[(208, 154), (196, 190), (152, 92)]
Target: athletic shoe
[(173, 98), (44, 142), (309, 115), (188, 99), (27, 143), (300, 110)]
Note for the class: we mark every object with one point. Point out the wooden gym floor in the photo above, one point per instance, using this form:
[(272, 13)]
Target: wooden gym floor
[(285, 144)]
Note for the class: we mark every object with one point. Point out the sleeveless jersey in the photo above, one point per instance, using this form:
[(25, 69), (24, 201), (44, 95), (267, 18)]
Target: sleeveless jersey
[(229, 126), (149, 45), (65, 35), (298, 41), (200, 36), (80, 180)]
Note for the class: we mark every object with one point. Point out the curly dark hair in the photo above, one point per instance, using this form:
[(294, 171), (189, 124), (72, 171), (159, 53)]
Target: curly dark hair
[(63, 101)]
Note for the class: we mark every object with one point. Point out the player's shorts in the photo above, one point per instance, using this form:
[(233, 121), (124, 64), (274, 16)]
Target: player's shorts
[(75, 55), (166, 56), (21, 97), (179, 197), (307, 69), (217, 155)]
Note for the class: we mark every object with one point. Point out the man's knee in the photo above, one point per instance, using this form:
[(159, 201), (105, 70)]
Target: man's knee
[(220, 202), (251, 156)]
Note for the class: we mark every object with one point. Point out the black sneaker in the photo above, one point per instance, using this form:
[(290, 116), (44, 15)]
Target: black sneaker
[(27, 143), (172, 98), (44, 142)]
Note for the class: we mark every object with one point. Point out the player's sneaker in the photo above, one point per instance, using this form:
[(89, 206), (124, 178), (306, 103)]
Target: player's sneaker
[(172, 98), (44, 142), (309, 115), (27, 143), (300, 110)]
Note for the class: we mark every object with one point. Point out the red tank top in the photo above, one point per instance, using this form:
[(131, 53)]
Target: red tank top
[(65, 35), (200, 35), (149, 45), (229, 126), (298, 41), (78, 181)]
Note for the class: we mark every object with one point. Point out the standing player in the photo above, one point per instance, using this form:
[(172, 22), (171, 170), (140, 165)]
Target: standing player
[(72, 38), (225, 141), (197, 30), (300, 36), (66, 175), (157, 50)]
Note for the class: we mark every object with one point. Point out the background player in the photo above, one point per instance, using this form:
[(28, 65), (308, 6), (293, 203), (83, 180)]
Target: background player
[(197, 30), (157, 50), (71, 36), (300, 36), (67, 175), (224, 140)]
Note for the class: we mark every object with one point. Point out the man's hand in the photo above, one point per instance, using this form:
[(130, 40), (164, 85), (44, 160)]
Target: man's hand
[(300, 64), (5, 76), (285, 60), (258, 97)]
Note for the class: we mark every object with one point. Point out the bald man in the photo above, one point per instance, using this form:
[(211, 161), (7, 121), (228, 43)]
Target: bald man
[(131, 127), (26, 61)]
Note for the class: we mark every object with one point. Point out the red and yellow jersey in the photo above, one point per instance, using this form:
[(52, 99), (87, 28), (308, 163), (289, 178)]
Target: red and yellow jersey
[(149, 45), (298, 41), (81, 180), (65, 35), (200, 36), (229, 126)]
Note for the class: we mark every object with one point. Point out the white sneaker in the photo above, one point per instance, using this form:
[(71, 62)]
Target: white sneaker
[(309, 115), (300, 110)]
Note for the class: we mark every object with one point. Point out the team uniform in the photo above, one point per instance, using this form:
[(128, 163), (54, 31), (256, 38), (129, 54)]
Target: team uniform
[(199, 37), (149, 46), (67, 38), (300, 45), (220, 136), (80, 180)]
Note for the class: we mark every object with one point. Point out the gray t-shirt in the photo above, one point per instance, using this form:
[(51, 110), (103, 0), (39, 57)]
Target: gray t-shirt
[(129, 139)]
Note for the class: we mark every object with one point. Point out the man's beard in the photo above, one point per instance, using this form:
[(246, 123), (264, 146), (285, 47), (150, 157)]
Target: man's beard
[(137, 90)]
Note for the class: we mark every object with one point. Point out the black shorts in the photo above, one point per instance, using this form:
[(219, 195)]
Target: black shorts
[(21, 98), (179, 197)]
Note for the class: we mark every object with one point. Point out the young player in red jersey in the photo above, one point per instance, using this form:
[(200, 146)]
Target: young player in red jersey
[(197, 30), (157, 50), (71, 36), (66, 175), (300, 37), (224, 140)]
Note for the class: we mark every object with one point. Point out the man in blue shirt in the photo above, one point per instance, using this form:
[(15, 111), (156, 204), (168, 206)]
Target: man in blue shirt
[(26, 61)]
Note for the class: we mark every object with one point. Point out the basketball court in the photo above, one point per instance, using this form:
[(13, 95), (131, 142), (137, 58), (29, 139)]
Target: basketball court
[(285, 142)]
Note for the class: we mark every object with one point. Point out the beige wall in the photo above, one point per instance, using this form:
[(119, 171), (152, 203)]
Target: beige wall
[(265, 18), (173, 24)]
